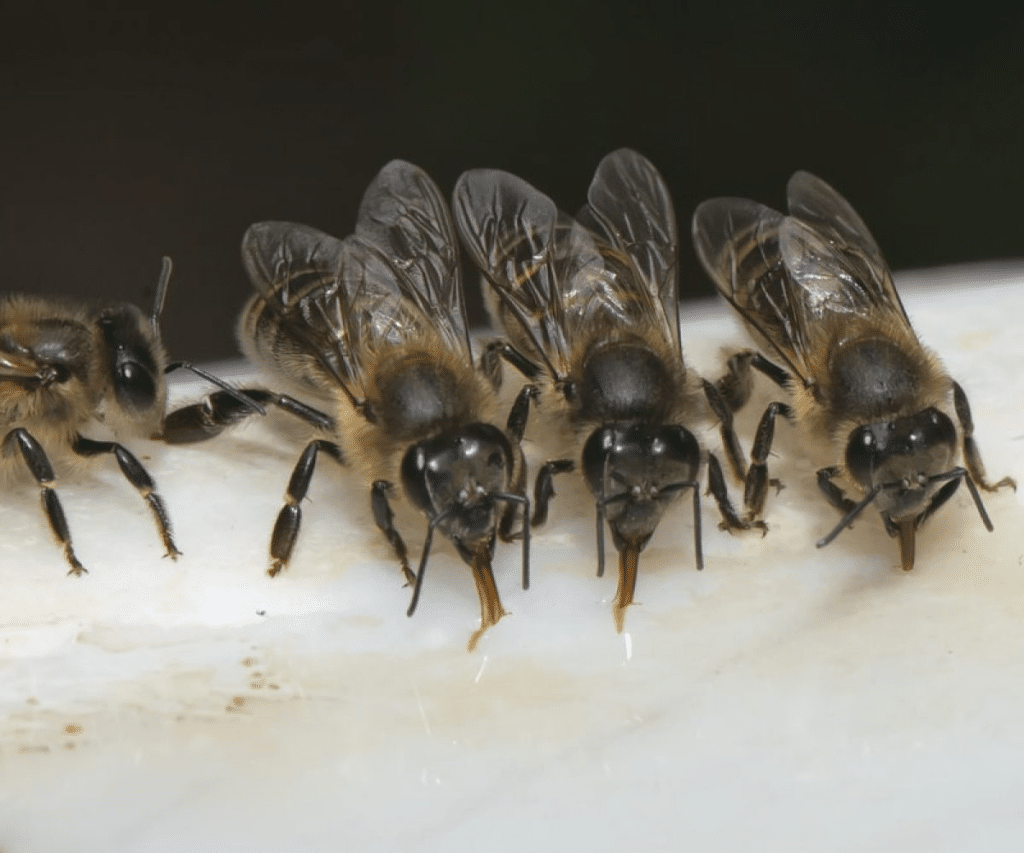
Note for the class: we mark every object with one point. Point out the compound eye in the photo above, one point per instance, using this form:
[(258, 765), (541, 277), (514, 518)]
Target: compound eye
[(861, 456), (134, 385)]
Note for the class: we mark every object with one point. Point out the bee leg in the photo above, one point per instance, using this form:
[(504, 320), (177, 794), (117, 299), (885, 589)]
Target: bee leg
[(941, 496), (717, 489), (544, 489), (722, 410), (736, 384), (520, 412), (41, 469), (490, 364), (515, 428), (286, 528), (135, 474), (519, 361), (780, 376), (972, 455), (756, 487), (833, 494), (223, 409), (385, 519)]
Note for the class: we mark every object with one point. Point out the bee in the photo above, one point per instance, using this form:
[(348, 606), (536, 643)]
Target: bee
[(589, 307), (376, 324), (814, 290), (65, 365)]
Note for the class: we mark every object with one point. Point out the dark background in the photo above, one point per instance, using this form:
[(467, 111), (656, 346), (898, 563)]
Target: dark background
[(129, 134)]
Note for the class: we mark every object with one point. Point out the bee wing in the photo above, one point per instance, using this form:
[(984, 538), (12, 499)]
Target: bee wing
[(630, 207), (410, 277), (556, 278), (831, 216), (299, 271), (737, 242)]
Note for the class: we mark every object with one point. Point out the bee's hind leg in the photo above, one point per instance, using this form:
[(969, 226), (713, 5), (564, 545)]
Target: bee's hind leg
[(286, 528), (223, 409), (972, 456)]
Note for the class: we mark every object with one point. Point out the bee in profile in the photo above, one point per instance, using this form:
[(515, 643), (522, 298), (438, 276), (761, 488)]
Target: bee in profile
[(590, 307), (815, 292), (64, 366), (376, 324)]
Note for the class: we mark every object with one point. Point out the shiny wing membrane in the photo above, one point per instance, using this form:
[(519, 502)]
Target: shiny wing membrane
[(394, 280), (737, 242), (788, 276), (629, 205), (851, 254), (558, 279), (405, 224), (297, 271)]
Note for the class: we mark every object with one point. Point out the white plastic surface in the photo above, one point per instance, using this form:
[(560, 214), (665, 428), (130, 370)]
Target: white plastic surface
[(785, 698)]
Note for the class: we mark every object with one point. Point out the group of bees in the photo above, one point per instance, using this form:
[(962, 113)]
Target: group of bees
[(373, 330)]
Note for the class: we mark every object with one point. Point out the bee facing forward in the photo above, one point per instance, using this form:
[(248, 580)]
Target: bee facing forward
[(376, 323), (63, 366), (591, 305), (814, 290)]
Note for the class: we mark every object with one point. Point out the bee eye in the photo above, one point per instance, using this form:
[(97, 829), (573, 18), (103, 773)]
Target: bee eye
[(496, 460), (134, 385)]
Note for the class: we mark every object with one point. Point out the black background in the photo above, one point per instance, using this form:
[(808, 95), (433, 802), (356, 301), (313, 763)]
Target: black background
[(133, 133)]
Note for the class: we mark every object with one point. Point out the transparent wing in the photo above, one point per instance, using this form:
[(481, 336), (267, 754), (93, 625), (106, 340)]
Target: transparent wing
[(297, 270), (852, 254), (410, 262), (555, 279), (629, 206), (396, 279), (737, 242)]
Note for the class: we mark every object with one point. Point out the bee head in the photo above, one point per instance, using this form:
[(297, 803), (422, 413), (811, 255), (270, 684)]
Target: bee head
[(460, 475), (134, 358), (903, 457), (635, 472)]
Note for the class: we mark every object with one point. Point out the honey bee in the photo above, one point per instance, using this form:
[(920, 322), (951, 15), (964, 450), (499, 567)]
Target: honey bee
[(376, 324), (815, 291), (590, 308), (65, 365)]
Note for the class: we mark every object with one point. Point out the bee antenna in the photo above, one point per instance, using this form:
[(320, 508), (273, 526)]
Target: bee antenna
[(850, 516), (524, 502), (962, 474), (422, 569), (242, 398), (161, 292)]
